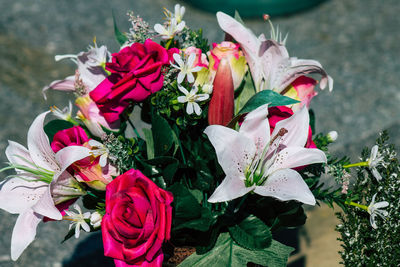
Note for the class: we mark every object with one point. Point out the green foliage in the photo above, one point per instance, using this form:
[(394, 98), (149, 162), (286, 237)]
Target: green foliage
[(163, 136), (190, 37), (52, 127), (362, 245), (119, 36), (228, 253), (261, 98), (251, 234), (122, 151)]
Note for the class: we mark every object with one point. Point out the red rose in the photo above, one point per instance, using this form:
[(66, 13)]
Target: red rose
[(135, 74), (137, 220), (276, 114)]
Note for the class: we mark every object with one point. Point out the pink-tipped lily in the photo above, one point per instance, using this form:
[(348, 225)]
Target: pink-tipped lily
[(220, 110), (255, 160), (40, 178), (269, 62)]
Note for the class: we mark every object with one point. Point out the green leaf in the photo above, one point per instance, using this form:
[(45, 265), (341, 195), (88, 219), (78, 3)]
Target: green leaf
[(312, 120), (163, 136), (54, 126), (267, 97), (149, 143), (121, 38), (264, 97), (251, 233), (227, 253), (70, 234), (201, 224), (186, 206)]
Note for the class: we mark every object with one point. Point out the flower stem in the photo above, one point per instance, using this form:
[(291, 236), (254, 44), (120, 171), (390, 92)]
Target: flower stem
[(351, 203), (359, 164)]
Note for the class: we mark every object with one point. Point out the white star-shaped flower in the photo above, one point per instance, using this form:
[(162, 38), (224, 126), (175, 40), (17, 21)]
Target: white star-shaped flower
[(191, 98), (78, 220), (375, 209), (186, 68), (254, 160), (170, 30), (374, 160), (98, 149)]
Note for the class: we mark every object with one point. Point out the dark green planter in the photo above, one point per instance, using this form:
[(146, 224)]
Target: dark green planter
[(254, 8)]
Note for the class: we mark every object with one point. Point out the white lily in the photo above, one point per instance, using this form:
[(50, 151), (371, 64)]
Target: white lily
[(191, 98), (170, 30), (185, 68), (374, 160), (78, 220), (29, 192), (90, 68), (269, 62), (178, 15), (253, 161), (375, 209)]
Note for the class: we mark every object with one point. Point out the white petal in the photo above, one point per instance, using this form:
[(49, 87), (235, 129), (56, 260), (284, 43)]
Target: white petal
[(286, 185), (39, 146), (376, 174), (103, 160), (77, 230), (196, 69), (381, 204), (159, 28), (70, 154), (180, 26), (202, 97), (230, 188), (182, 99), (178, 59), (85, 227), (189, 108), (256, 127), (94, 143), (292, 157), (45, 206), (183, 89), (197, 109), (234, 150), (374, 152), (18, 195), (297, 126), (16, 154), (372, 221), (191, 60), (24, 232), (181, 76), (190, 77)]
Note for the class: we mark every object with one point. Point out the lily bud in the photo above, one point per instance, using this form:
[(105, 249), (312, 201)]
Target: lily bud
[(220, 110)]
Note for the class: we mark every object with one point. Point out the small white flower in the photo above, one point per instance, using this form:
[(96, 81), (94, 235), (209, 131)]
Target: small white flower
[(186, 68), (78, 220), (332, 136), (95, 219), (64, 114), (374, 209), (374, 160), (98, 149), (191, 99), (170, 30), (178, 15)]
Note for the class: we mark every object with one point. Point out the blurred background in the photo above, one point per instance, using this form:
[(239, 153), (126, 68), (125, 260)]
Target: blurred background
[(356, 41)]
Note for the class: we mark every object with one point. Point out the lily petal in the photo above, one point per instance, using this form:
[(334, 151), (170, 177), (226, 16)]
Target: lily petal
[(17, 195), (45, 206), (39, 146), (292, 157), (17, 154), (24, 232), (285, 185), (256, 127), (297, 126), (230, 188), (68, 155), (234, 150)]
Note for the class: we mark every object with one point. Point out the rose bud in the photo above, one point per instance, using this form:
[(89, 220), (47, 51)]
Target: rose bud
[(301, 89), (220, 110)]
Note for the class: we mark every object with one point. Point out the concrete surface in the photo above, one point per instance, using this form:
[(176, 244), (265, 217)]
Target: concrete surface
[(356, 41)]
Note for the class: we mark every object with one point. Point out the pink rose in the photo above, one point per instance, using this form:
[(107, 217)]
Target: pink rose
[(137, 220), (301, 89), (135, 74), (276, 114), (201, 59)]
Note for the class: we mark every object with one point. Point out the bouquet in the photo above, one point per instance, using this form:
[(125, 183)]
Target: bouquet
[(187, 153)]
